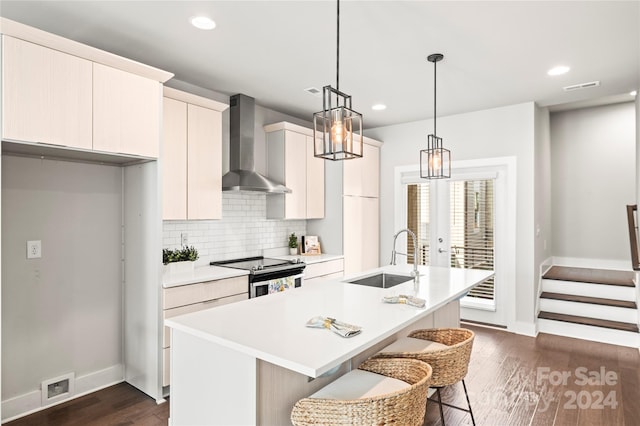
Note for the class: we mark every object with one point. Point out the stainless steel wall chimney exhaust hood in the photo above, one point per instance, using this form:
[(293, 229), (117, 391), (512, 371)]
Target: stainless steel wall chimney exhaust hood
[(241, 175)]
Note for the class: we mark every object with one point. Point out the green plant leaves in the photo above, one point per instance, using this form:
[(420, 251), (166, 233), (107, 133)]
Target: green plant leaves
[(179, 255)]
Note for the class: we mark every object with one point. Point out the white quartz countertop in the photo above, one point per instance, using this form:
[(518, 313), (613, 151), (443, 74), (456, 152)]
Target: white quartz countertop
[(200, 274), (272, 328)]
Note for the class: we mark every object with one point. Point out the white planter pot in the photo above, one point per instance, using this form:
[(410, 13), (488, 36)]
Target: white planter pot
[(293, 251), (180, 267)]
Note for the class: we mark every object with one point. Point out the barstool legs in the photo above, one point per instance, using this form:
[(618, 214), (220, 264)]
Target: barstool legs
[(440, 404), (468, 403)]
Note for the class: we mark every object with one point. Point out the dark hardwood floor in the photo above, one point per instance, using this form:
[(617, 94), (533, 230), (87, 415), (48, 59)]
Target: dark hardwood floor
[(512, 380)]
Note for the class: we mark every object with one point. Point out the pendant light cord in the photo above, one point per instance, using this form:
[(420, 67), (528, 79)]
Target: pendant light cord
[(338, 48), (434, 97)]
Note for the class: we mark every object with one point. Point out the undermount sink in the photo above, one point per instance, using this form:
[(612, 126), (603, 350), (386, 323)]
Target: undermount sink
[(382, 280)]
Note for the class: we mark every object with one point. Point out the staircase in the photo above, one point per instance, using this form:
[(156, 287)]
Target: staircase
[(591, 304)]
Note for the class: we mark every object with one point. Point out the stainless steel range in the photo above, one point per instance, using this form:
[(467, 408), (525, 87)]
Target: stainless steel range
[(263, 271)]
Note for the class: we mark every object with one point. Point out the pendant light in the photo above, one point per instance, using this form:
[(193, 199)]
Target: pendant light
[(337, 129), (435, 161)]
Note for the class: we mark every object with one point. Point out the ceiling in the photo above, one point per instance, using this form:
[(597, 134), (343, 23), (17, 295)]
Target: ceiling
[(496, 53)]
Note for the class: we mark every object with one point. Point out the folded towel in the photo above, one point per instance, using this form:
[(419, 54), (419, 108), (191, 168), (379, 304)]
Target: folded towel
[(409, 300), (338, 327), (281, 284)]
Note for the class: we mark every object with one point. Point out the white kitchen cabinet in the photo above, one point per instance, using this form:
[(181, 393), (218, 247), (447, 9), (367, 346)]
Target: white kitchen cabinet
[(192, 157), (126, 112), (361, 234), (196, 297), (174, 159), (325, 270), (46, 95), (57, 98), (362, 175), (290, 161)]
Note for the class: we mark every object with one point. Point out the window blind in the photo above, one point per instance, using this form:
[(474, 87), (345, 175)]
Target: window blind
[(472, 226)]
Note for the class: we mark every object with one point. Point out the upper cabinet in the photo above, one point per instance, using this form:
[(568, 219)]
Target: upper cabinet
[(191, 156), (46, 95), (362, 175), (290, 161), (59, 92), (126, 112)]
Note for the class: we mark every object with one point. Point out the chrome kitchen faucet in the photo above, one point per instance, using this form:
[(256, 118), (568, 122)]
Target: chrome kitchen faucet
[(415, 274)]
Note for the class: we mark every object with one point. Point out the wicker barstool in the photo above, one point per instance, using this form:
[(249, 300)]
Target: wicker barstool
[(379, 391), (447, 350)]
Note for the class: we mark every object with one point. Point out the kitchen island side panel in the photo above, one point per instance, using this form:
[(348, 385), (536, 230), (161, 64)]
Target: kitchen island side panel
[(210, 384)]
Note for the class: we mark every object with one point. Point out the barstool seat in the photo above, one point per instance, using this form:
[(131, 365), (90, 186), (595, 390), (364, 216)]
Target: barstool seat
[(447, 350), (380, 391)]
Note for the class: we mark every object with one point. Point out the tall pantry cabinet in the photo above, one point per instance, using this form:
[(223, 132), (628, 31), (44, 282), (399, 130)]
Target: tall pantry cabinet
[(352, 220)]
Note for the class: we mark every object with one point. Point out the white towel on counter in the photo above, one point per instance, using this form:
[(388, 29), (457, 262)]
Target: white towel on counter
[(281, 284), (404, 299), (341, 328)]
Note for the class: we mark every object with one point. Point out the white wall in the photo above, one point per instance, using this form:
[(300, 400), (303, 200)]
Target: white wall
[(593, 172), (499, 132), (61, 313), (542, 197)]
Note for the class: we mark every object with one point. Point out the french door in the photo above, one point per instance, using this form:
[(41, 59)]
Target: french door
[(455, 221)]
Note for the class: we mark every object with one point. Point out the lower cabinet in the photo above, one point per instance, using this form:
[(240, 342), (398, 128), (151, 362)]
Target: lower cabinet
[(196, 297), (320, 271)]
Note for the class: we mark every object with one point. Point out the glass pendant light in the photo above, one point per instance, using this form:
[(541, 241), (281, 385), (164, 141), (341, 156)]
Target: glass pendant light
[(337, 129), (435, 161)]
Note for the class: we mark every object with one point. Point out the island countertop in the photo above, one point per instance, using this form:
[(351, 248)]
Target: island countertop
[(272, 328)]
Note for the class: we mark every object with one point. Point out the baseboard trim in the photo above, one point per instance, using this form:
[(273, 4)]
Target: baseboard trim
[(31, 402), (525, 328)]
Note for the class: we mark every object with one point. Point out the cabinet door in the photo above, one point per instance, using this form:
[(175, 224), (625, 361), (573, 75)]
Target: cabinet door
[(315, 183), (174, 160), (362, 175), (295, 156), (126, 112), (370, 233), (46, 95), (370, 177), (204, 164), (361, 234)]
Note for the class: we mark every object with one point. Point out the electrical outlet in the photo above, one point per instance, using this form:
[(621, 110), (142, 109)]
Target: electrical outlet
[(34, 249), (184, 238)]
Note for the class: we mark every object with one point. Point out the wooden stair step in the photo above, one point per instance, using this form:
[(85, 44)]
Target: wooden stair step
[(616, 325), (592, 276), (587, 299)]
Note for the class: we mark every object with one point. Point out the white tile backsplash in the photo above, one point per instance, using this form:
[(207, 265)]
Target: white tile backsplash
[(243, 230)]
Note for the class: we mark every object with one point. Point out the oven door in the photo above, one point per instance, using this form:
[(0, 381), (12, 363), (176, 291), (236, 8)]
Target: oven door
[(261, 287)]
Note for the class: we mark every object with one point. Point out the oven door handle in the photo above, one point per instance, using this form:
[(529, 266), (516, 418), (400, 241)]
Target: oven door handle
[(261, 283)]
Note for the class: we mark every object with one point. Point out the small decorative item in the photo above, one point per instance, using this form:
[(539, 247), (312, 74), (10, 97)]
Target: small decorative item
[(311, 245), (180, 260), (293, 244)]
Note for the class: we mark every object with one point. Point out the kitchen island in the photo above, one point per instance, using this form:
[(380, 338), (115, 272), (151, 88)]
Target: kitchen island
[(248, 362)]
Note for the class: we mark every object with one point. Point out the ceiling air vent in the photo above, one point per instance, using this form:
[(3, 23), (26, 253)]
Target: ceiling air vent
[(581, 86), (314, 91)]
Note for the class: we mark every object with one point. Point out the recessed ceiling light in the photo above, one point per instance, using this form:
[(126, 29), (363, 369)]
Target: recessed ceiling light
[(559, 70), (203, 22), (379, 107), (633, 92)]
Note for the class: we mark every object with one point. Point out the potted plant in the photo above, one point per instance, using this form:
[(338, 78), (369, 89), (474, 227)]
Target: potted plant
[(293, 244), (180, 260)]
